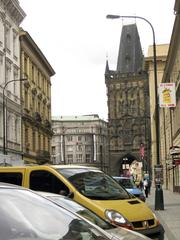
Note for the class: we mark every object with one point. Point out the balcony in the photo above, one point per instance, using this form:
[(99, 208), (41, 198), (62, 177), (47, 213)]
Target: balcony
[(43, 156)]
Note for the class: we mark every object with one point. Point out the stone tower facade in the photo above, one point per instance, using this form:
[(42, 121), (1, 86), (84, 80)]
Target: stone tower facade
[(128, 108)]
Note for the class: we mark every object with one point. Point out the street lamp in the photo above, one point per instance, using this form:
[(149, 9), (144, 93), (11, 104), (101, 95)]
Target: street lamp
[(159, 203), (4, 125)]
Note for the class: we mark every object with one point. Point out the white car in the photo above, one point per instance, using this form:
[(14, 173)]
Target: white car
[(121, 233), (25, 215)]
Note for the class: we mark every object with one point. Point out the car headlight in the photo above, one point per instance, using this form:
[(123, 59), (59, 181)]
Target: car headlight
[(117, 219), (156, 219)]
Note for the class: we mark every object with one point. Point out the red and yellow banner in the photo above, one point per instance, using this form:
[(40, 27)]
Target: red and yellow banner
[(167, 95)]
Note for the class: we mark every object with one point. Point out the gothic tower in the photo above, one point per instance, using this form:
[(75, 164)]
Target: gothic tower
[(128, 107)]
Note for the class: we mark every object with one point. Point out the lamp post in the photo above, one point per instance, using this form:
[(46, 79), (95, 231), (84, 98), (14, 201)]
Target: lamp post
[(159, 203), (4, 124)]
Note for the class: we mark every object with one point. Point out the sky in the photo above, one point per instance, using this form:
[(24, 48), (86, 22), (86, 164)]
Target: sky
[(77, 39)]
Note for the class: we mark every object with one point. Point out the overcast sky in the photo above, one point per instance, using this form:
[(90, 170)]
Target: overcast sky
[(76, 38)]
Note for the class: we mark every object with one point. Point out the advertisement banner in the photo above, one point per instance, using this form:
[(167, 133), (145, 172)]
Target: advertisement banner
[(167, 95)]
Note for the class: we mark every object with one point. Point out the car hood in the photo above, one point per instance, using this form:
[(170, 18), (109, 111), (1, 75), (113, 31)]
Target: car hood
[(125, 234), (133, 209)]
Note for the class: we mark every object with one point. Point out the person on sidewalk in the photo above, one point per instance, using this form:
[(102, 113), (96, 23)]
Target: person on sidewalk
[(146, 188), (149, 186), (141, 186)]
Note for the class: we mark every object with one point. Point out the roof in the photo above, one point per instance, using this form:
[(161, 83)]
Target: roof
[(51, 166), (25, 36), (76, 118), (130, 58)]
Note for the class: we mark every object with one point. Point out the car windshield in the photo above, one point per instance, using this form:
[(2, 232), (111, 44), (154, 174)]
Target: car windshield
[(126, 182), (94, 184), (27, 216), (84, 212)]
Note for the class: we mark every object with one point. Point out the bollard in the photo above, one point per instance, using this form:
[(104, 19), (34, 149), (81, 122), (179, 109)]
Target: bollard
[(159, 199)]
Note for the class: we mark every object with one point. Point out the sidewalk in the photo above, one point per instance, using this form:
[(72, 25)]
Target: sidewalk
[(170, 216)]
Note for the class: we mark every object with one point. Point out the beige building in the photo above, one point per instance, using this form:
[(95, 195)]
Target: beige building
[(80, 140), (168, 71), (161, 56), (36, 102), (170, 117)]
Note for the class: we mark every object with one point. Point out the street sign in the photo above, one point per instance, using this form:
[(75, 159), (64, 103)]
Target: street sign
[(174, 150), (158, 173), (167, 96)]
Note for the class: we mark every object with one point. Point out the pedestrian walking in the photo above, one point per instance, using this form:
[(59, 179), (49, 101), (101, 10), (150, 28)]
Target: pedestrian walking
[(141, 185), (146, 189), (149, 186)]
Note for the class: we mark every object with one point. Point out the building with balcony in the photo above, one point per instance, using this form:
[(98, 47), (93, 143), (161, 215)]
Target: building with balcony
[(36, 102), (11, 16), (80, 140)]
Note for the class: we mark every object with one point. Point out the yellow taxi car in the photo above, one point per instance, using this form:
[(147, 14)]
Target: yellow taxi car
[(92, 188)]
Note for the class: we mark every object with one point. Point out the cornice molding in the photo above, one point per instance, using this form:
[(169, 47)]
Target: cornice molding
[(13, 8)]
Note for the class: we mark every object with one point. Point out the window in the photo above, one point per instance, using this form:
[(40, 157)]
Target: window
[(88, 158), (128, 38), (39, 141), (44, 142), (7, 36), (26, 136), (88, 148), (39, 107), (79, 148), (87, 138), (79, 158), (25, 65), (34, 140), (69, 148), (53, 150), (79, 138), (16, 131), (32, 72), (33, 102), (8, 71), (14, 178), (41, 180), (69, 138), (70, 158), (15, 44), (15, 83), (26, 99)]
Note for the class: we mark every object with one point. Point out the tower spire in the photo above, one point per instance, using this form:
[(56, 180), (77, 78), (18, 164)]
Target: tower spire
[(130, 58)]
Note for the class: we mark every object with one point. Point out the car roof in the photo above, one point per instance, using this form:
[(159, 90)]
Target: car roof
[(8, 185), (70, 166)]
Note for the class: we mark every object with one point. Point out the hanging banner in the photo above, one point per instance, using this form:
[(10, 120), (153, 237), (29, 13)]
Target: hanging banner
[(167, 95)]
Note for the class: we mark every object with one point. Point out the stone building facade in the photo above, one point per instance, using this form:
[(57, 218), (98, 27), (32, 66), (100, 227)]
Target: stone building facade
[(36, 102), (80, 140), (161, 58), (170, 117), (11, 16), (128, 107)]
